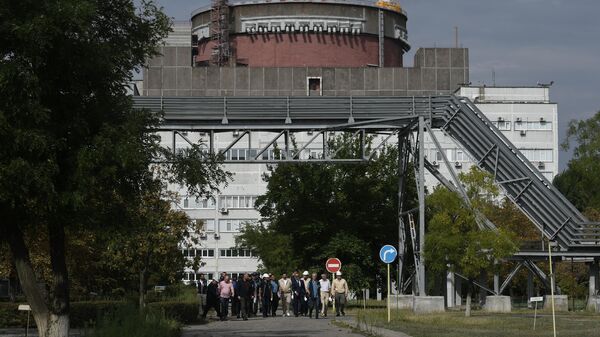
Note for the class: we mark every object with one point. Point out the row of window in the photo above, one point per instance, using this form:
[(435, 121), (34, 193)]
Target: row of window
[(225, 201), (538, 155), (456, 155), (231, 252), (523, 125), (270, 154), (191, 276), (225, 225)]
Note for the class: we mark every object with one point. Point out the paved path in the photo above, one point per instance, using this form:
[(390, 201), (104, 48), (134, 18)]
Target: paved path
[(271, 327)]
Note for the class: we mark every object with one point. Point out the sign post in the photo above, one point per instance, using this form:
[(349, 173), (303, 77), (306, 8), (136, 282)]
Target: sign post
[(536, 300), (333, 265), (388, 254), (26, 307)]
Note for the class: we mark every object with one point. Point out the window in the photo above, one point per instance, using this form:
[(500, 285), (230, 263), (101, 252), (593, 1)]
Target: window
[(208, 225), (206, 252), (532, 125), (193, 203), (502, 125), (237, 201), (313, 86), (232, 225), (235, 252), (538, 155)]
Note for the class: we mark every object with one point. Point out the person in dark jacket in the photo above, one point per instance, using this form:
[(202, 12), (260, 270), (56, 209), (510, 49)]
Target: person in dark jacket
[(298, 293), (266, 295), (256, 282), (212, 298), (245, 295), (275, 291), (314, 296), (202, 290), (235, 302)]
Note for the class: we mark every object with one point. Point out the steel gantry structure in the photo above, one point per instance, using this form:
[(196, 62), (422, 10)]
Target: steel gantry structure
[(402, 120)]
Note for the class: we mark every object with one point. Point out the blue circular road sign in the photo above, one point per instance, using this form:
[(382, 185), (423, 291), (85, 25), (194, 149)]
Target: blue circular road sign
[(388, 254)]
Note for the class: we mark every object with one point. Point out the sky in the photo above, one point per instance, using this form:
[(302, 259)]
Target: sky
[(523, 41)]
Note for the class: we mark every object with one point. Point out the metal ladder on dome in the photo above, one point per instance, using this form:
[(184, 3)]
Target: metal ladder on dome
[(413, 239)]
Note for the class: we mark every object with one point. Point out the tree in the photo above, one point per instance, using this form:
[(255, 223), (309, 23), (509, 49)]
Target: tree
[(454, 240), (74, 154), (311, 212), (578, 182)]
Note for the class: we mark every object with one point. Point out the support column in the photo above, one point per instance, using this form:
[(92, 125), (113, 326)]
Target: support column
[(402, 161), (497, 283), (457, 291), (530, 290), (421, 192), (450, 290), (593, 273)]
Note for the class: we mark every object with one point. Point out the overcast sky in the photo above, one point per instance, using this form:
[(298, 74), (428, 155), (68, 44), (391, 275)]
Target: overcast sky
[(524, 41)]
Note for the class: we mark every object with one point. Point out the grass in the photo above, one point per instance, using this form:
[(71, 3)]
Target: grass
[(455, 324), (130, 322)]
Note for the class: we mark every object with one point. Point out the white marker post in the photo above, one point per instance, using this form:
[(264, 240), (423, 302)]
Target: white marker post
[(26, 307), (536, 300)]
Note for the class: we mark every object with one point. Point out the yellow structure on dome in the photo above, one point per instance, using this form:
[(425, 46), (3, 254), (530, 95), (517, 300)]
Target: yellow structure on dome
[(389, 4)]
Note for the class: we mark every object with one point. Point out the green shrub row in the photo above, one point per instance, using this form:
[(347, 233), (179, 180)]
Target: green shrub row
[(85, 314)]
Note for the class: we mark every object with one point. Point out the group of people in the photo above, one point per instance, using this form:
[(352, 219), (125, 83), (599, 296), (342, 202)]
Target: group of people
[(253, 294)]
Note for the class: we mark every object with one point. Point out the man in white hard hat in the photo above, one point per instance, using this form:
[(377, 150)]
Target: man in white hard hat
[(339, 289), (266, 295), (305, 280)]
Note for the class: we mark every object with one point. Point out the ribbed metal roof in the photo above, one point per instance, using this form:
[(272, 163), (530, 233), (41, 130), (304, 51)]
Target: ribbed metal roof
[(367, 3)]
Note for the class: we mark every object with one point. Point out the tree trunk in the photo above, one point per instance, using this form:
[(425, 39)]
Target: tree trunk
[(469, 295), (28, 280), (143, 282), (59, 295)]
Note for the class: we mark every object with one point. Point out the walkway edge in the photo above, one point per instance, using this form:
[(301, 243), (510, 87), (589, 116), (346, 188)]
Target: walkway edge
[(371, 330)]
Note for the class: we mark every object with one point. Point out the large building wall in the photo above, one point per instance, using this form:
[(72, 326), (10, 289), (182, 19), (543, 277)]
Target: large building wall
[(439, 71)]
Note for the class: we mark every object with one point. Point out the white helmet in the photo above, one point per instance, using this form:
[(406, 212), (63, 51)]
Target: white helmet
[(338, 273), (265, 275), (305, 273)]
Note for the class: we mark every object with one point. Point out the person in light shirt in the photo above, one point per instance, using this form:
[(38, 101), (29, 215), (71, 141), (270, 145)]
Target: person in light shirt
[(339, 290), (285, 294), (325, 288), (225, 293)]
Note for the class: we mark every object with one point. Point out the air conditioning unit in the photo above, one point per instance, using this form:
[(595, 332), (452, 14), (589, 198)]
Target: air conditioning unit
[(523, 133), (457, 165), (203, 235), (500, 119), (236, 133), (541, 165), (217, 236), (519, 120), (435, 164), (542, 120), (224, 210)]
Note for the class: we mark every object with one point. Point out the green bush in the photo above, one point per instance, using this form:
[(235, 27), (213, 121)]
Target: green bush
[(85, 314), (128, 321), (183, 312)]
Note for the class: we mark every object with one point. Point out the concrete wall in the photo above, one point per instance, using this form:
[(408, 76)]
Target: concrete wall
[(436, 71)]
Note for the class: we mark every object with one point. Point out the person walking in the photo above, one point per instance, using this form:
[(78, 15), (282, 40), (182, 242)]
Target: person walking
[(305, 280), (245, 295), (314, 296), (298, 292), (226, 292), (285, 294), (339, 289), (235, 302), (256, 282), (266, 295), (202, 290), (275, 292), (325, 294), (212, 298)]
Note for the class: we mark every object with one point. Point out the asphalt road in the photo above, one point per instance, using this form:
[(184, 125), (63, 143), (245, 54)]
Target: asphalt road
[(271, 327)]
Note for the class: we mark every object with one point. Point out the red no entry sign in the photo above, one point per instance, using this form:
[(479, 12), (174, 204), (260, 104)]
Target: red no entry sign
[(333, 265)]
